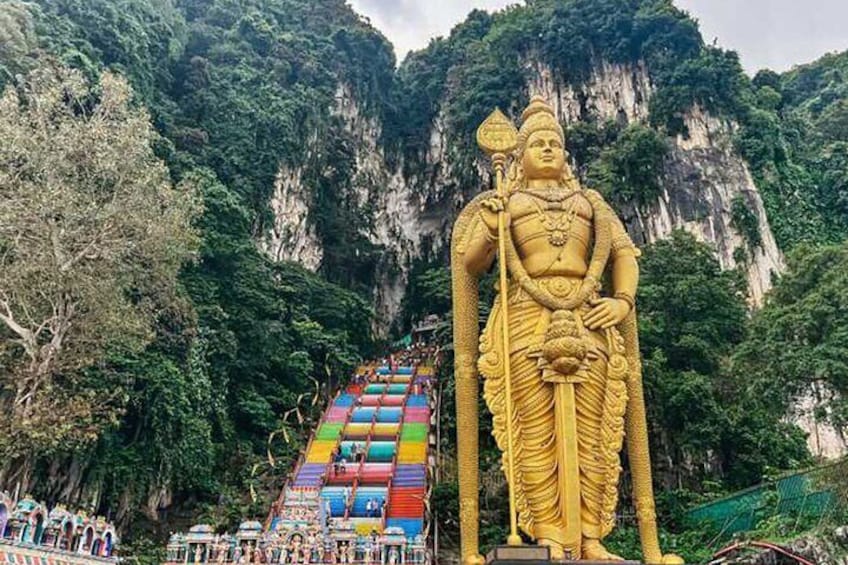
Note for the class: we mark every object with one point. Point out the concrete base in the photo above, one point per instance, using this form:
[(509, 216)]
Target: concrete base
[(519, 553), (537, 555)]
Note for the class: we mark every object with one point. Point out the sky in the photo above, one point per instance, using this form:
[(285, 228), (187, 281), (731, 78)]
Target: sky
[(776, 34)]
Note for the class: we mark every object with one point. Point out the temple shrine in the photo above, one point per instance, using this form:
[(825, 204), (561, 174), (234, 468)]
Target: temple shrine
[(32, 534)]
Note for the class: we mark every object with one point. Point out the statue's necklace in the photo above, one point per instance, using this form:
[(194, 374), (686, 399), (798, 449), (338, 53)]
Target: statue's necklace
[(551, 194), (558, 225)]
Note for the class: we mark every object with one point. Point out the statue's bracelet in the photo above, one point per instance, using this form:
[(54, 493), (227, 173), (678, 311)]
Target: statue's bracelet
[(627, 298)]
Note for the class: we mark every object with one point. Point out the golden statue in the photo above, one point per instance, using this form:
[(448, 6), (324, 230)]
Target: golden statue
[(571, 385)]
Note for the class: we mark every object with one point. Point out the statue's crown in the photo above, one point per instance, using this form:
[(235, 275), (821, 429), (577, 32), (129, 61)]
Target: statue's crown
[(539, 116)]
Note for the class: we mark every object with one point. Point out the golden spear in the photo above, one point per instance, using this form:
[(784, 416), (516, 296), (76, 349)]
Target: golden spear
[(497, 136)]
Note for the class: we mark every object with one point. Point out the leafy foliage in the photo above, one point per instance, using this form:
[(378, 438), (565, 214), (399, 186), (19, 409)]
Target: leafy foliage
[(628, 170), (234, 91), (18, 40), (745, 222), (713, 80), (692, 317), (797, 339), (92, 238), (813, 110)]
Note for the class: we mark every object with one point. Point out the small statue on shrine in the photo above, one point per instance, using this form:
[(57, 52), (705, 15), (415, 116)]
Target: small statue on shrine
[(393, 555), (295, 549), (308, 546), (221, 551), (343, 554), (334, 553), (248, 553)]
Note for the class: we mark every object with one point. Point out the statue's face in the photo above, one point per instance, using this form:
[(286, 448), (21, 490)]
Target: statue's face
[(544, 156)]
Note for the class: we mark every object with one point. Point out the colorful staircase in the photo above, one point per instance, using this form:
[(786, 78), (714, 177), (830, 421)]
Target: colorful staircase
[(386, 415)]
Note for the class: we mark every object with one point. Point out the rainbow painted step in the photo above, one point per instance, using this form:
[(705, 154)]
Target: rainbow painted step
[(309, 475), (413, 432), (391, 417), (410, 476)]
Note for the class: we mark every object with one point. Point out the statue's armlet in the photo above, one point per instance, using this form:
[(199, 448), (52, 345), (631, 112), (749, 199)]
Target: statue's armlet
[(474, 245)]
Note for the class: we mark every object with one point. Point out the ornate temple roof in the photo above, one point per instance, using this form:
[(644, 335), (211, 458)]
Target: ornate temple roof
[(59, 516), (201, 533), (27, 507)]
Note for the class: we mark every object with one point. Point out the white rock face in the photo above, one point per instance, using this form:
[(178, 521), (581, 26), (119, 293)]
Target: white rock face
[(292, 237), (705, 174), (412, 216), (612, 92), (400, 224), (823, 440), (702, 178)]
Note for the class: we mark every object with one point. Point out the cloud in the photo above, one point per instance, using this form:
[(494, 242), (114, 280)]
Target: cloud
[(775, 34), (410, 24), (767, 33)]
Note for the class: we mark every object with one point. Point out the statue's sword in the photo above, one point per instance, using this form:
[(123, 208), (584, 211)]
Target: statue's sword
[(568, 465)]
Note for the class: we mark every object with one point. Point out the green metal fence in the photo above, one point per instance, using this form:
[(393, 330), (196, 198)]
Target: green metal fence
[(798, 495)]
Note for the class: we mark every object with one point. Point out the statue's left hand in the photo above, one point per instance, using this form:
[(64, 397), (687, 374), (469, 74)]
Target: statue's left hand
[(606, 313)]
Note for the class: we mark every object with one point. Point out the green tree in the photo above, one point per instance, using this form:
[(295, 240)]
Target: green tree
[(92, 237), (629, 169), (797, 342), (704, 420), (713, 80), (18, 40)]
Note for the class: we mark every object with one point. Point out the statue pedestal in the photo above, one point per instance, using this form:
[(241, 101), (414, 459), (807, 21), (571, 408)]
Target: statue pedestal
[(537, 555), (521, 554)]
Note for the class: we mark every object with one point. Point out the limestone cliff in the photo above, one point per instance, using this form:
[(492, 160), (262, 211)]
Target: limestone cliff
[(411, 213), (292, 237)]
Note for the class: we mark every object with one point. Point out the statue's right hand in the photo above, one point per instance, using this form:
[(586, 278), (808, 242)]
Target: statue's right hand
[(489, 211)]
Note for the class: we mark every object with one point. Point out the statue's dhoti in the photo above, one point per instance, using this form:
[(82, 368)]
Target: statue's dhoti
[(599, 405)]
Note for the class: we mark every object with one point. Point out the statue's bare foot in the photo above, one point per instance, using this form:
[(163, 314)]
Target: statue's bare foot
[(557, 553), (594, 551)]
